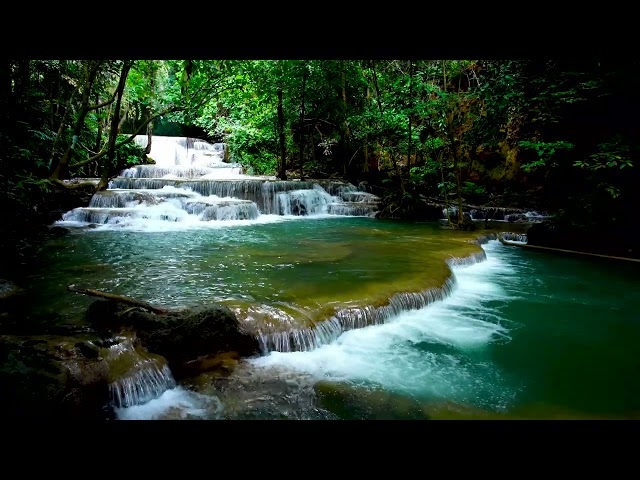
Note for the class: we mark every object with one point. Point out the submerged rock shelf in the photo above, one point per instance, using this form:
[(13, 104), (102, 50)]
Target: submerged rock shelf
[(327, 331)]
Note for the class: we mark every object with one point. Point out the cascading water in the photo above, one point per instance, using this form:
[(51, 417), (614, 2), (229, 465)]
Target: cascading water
[(498, 214), (147, 382), (515, 237), (323, 333), (192, 184), (136, 376)]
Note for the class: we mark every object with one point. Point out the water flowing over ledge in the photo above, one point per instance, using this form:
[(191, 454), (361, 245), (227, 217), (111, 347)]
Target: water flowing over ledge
[(327, 331), (149, 381), (192, 183)]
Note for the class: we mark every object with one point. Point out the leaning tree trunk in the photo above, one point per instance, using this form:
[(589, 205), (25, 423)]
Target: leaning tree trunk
[(62, 168), (115, 126)]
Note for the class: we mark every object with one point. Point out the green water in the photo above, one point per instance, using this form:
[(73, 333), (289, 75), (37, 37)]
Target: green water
[(304, 268), (525, 334), (577, 328)]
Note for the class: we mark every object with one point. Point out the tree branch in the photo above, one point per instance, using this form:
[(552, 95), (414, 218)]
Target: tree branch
[(103, 104), (129, 139), (118, 298)]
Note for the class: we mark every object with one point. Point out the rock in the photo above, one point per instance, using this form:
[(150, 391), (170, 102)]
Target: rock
[(351, 402), (50, 379), (181, 337), (59, 377), (220, 364)]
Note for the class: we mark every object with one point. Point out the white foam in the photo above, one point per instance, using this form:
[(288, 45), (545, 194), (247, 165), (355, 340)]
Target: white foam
[(424, 352), (176, 403)]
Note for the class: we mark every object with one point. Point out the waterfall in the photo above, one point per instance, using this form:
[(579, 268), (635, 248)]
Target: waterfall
[(190, 184), (148, 382), (515, 237), (136, 377), (327, 331)]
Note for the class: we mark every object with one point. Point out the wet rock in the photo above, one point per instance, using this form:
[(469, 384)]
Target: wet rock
[(221, 364), (49, 378), (59, 377), (181, 337), (351, 402)]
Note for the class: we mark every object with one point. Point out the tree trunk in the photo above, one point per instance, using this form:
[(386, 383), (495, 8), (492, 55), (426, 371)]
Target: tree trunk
[(452, 143), (62, 169), (302, 136), (393, 158), (146, 112), (147, 150), (282, 174), (444, 186), (365, 165), (98, 142), (410, 115), (113, 134), (345, 124)]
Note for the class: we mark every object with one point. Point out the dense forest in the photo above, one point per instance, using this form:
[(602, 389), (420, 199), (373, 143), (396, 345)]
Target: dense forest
[(559, 136)]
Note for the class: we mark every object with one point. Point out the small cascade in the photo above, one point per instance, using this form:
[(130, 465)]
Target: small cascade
[(304, 202), (148, 382), (499, 214), (152, 171), (191, 182), (514, 237), (136, 376), (353, 209), (183, 151), (327, 331)]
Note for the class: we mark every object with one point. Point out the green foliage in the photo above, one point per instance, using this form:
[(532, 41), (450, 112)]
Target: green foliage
[(471, 188), (129, 153), (545, 152), (616, 153)]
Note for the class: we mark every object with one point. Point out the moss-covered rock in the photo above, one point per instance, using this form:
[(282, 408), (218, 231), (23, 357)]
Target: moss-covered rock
[(50, 378), (182, 336)]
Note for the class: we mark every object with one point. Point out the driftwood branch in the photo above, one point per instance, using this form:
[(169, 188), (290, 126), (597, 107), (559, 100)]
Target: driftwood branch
[(118, 298)]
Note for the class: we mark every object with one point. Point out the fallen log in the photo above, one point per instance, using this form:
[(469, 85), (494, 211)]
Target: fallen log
[(118, 298)]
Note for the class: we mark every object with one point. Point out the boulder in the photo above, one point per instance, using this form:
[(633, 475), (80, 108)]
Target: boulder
[(45, 378), (181, 336), (61, 377)]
